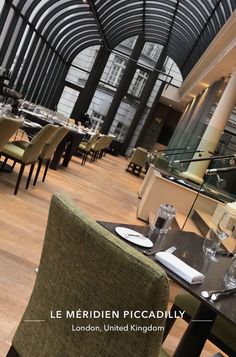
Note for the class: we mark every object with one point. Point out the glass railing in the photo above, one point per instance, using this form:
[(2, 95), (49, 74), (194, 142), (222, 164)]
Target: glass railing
[(180, 162)]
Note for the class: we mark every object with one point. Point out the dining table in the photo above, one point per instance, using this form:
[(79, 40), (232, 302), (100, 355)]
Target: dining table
[(189, 249)]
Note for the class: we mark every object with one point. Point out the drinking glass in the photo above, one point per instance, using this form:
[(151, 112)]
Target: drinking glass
[(230, 276), (226, 226), (152, 230), (210, 244)]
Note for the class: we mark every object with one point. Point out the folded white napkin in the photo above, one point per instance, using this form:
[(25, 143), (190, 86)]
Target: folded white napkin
[(187, 273)]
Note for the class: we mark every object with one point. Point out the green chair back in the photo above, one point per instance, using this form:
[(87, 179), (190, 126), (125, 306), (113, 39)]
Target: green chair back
[(84, 267), (54, 141), (33, 150), (107, 141), (139, 156), (91, 142), (99, 143), (8, 126)]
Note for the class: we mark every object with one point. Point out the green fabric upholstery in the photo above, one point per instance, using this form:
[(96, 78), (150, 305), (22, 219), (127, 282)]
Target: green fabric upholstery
[(106, 142), (86, 146), (163, 353), (33, 148), (57, 134), (137, 161), (83, 266), (53, 142), (8, 126), (139, 157), (22, 144), (13, 150), (222, 329), (29, 155), (97, 147)]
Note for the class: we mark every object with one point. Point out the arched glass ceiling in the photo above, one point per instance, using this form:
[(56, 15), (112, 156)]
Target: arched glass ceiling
[(184, 27)]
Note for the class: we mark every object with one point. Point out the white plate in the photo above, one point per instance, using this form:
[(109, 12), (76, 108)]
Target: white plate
[(134, 237)]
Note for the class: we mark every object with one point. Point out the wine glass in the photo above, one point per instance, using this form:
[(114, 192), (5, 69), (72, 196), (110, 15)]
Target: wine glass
[(226, 226)]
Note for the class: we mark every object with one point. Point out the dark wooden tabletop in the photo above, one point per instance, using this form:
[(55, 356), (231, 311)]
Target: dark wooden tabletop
[(189, 250)]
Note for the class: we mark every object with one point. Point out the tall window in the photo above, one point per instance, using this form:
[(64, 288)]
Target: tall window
[(138, 83), (152, 50), (116, 71), (97, 120)]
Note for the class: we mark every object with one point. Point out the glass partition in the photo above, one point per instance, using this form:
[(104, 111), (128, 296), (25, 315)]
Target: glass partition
[(200, 168)]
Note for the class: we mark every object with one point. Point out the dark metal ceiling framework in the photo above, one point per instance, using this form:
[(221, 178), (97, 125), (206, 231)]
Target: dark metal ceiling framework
[(54, 31), (186, 27)]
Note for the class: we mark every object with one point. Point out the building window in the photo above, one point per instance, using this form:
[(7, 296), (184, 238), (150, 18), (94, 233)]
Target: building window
[(152, 50), (129, 42), (120, 131), (96, 120), (116, 71), (138, 83)]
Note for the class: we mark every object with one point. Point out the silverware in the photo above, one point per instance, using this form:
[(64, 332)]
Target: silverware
[(224, 253), (208, 293), (133, 235), (217, 296), (152, 251)]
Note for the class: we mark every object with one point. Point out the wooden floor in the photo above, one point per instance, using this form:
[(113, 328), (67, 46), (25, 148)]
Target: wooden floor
[(103, 189)]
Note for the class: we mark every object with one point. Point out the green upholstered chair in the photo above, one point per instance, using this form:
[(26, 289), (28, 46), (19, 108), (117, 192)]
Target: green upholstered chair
[(29, 155), (47, 151), (105, 145), (137, 161), (86, 146), (84, 267), (222, 333), (8, 126), (97, 148)]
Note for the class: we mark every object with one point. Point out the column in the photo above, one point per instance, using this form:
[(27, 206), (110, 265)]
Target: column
[(212, 135), (86, 95)]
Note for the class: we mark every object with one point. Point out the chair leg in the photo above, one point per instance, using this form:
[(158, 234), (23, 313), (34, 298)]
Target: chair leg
[(82, 162), (85, 155), (96, 155), (38, 171), (46, 170), (14, 163), (29, 176), (85, 158), (19, 178), (92, 156)]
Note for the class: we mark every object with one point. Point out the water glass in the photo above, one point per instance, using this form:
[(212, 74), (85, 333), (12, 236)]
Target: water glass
[(210, 244), (230, 276)]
